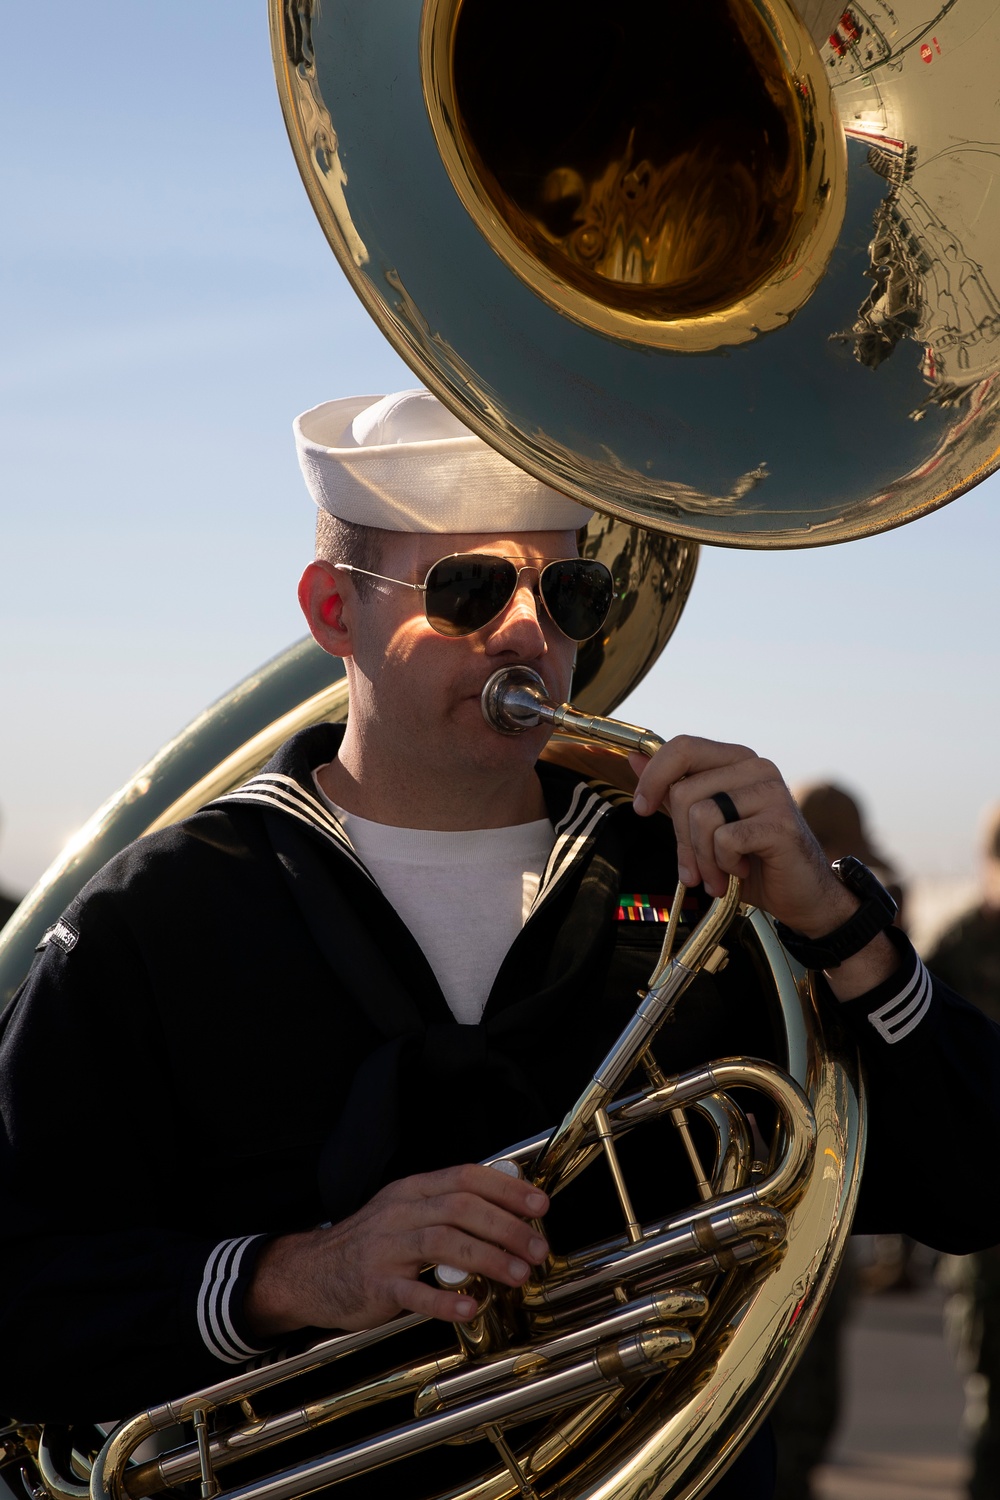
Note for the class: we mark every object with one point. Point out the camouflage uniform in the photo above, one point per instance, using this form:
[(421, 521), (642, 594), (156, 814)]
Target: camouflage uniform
[(967, 957)]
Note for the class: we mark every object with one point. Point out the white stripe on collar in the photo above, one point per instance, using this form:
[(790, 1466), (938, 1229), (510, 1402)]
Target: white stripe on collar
[(573, 831), (284, 794)]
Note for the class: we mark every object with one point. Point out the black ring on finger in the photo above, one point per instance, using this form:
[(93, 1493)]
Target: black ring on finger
[(726, 806)]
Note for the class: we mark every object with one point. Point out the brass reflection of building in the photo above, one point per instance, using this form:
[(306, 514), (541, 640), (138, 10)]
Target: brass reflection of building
[(935, 248)]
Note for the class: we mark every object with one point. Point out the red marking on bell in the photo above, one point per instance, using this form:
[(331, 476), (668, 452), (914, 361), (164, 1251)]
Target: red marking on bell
[(864, 132), (926, 53)]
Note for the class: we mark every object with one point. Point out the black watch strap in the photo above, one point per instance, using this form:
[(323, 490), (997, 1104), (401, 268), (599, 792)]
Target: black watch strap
[(876, 912)]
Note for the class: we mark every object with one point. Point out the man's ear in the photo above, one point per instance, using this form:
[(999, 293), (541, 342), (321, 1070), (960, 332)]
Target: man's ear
[(327, 599)]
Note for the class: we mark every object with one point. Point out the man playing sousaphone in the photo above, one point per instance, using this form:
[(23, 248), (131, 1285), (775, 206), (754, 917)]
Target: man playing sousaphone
[(291, 1025)]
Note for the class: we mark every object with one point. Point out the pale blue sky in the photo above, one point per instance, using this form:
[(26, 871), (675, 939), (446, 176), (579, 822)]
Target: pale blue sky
[(167, 304)]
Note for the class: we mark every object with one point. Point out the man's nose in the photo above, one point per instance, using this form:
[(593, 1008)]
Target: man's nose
[(519, 627)]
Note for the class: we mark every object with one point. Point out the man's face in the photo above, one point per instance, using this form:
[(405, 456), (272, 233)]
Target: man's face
[(423, 687)]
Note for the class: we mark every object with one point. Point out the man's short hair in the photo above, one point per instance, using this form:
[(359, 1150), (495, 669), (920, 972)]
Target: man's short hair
[(340, 541)]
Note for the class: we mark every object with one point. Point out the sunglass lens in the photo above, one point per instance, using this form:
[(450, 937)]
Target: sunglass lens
[(578, 595), (465, 593)]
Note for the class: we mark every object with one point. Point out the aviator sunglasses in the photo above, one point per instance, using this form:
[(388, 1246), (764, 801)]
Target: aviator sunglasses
[(467, 590)]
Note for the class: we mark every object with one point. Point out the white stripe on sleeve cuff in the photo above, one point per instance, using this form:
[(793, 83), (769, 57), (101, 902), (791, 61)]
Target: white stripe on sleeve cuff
[(215, 1323), (897, 1017)]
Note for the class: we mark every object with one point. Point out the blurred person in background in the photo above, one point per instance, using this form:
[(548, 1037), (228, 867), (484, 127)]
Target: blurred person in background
[(968, 953), (836, 821), (808, 1410)]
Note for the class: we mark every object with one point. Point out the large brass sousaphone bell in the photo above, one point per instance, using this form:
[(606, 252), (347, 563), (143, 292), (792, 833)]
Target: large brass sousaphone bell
[(729, 271)]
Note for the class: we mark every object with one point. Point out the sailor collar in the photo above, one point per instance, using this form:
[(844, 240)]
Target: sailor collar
[(575, 805)]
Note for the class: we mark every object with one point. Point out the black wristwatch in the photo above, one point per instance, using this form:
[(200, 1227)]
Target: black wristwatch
[(876, 912)]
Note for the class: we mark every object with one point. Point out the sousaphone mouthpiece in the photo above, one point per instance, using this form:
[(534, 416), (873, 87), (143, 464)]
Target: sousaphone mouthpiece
[(514, 699)]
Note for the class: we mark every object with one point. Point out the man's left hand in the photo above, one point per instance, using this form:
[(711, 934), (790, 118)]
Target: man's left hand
[(770, 847)]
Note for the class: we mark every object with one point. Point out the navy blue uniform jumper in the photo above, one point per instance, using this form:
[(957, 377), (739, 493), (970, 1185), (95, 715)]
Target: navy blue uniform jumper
[(231, 1034)]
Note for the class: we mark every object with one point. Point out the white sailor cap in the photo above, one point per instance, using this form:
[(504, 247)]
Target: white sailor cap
[(404, 463)]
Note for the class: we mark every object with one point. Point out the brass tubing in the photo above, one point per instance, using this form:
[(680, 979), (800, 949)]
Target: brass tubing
[(654, 1072), (604, 1369), (33, 1487), (209, 1486), (182, 1464), (709, 1085), (630, 1110), (538, 1396), (509, 1457), (514, 699), (636, 1037), (55, 1481), (680, 1120), (669, 937), (797, 1115), (559, 1442), (741, 1233), (661, 1307), (733, 1145), (732, 1219), (107, 1480), (607, 1140), (554, 1317)]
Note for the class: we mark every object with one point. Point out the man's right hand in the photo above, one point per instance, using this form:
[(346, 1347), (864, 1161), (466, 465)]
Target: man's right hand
[(365, 1270)]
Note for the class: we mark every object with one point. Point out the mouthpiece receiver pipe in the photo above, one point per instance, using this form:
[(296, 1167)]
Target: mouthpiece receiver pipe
[(515, 699)]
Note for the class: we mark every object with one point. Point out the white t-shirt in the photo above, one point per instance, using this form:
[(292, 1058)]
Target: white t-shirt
[(464, 896)]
